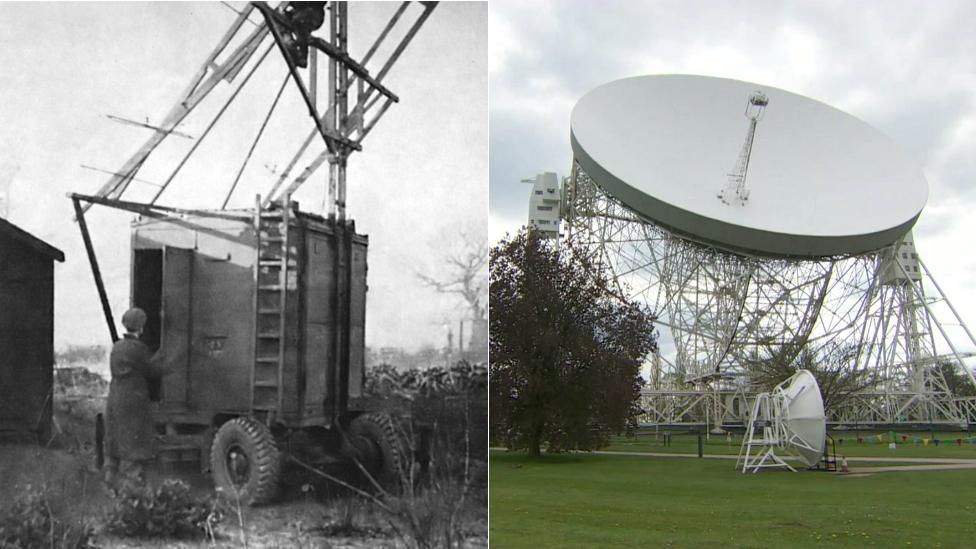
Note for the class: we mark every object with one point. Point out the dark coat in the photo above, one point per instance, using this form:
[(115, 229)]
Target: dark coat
[(130, 433)]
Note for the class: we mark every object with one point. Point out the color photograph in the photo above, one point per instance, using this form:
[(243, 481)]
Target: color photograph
[(730, 298)]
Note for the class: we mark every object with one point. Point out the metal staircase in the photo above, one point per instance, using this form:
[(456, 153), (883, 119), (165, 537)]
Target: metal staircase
[(273, 277)]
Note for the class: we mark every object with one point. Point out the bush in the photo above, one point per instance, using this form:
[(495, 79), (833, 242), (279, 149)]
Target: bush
[(429, 518), (450, 402), (29, 523), (168, 511), (79, 381), (448, 405)]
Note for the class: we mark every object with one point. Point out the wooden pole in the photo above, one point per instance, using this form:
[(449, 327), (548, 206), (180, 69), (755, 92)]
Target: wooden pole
[(99, 283)]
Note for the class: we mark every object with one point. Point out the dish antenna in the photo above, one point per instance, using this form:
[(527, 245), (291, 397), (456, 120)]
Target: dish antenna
[(821, 255), (790, 418)]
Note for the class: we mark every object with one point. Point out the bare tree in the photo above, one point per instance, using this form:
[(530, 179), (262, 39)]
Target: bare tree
[(834, 366), (464, 271)]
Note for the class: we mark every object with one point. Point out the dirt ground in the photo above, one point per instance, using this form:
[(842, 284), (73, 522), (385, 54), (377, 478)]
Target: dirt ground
[(310, 513)]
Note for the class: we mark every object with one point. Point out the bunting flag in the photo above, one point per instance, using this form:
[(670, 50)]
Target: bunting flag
[(896, 437)]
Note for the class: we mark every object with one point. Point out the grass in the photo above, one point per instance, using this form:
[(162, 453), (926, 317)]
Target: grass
[(622, 501), (685, 443)]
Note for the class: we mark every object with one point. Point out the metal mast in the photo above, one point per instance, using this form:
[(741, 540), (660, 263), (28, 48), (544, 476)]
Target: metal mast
[(342, 125), (735, 192), (357, 98)]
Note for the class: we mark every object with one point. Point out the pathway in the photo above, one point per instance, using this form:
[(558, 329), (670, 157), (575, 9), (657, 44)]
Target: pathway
[(919, 464)]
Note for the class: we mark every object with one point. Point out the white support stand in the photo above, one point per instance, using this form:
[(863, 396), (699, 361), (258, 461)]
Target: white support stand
[(791, 419), (766, 433)]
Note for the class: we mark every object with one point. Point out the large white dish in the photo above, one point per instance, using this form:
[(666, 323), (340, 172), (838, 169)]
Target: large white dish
[(821, 182), (806, 416)]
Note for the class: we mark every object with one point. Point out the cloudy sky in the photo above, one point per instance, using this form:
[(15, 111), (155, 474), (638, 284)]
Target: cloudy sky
[(906, 68), (421, 176)]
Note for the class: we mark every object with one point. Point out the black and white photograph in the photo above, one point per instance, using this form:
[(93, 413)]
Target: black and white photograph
[(243, 274)]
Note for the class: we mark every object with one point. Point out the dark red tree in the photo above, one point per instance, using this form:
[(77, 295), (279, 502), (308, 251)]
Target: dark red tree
[(565, 351)]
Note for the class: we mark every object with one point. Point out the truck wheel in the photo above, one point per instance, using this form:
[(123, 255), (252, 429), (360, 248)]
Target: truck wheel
[(379, 449), (245, 461)]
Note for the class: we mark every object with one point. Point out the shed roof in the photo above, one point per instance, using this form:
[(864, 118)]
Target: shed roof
[(8, 228)]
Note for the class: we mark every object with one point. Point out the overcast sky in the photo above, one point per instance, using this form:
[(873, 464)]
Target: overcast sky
[(421, 176), (906, 68)]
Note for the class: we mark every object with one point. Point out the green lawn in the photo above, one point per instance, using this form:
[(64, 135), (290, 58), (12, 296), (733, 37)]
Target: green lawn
[(684, 443), (621, 501)]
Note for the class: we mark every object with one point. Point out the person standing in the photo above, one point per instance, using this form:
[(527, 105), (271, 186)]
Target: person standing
[(130, 434)]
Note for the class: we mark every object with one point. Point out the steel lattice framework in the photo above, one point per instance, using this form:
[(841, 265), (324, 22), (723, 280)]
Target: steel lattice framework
[(726, 308), (353, 101)]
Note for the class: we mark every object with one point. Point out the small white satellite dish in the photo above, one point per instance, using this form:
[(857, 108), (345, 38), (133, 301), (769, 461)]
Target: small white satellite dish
[(789, 418)]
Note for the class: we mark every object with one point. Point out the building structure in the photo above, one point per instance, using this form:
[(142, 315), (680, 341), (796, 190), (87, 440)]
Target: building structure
[(544, 204), (26, 332)]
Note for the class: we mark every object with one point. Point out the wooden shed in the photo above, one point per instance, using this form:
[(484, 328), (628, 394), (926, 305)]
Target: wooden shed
[(26, 332)]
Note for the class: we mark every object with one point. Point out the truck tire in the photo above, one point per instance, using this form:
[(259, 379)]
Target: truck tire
[(245, 461), (380, 449)]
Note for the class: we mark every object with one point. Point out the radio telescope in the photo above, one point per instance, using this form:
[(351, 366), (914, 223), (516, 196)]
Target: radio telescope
[(790, 418), (757, 223)]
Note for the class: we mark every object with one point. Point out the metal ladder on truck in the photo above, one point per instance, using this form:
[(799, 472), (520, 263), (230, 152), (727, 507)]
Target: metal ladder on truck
[(272, 271)]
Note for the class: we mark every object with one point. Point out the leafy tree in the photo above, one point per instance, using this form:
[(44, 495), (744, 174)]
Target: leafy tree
[(565, 352), (956, 380), (833, 365)]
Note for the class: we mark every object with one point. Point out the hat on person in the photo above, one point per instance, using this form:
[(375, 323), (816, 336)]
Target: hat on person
[(134, 319)]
